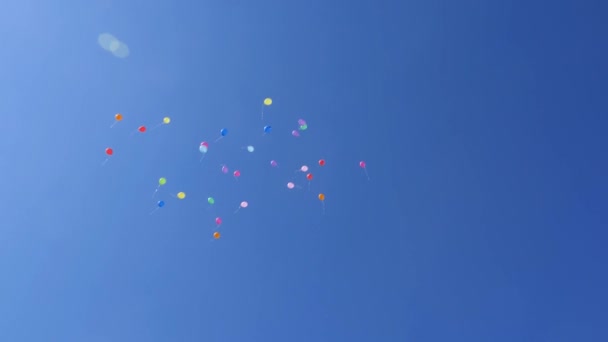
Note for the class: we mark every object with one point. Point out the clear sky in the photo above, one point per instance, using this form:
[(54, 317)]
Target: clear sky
[(483, 126)]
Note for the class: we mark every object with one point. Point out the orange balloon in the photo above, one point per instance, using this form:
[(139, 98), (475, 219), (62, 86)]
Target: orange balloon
[(321, 197), (216, 235), (118, 116)]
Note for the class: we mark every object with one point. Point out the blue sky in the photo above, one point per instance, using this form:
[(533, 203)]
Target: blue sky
[(482, 125)]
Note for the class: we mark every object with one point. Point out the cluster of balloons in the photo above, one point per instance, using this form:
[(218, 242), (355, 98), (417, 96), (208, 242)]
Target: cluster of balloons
[(204, 148)]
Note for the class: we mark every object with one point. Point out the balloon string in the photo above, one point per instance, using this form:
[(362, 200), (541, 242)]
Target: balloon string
[(105, 161)]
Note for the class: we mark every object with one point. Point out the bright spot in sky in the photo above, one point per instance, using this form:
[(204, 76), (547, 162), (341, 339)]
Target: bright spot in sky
[(110, 43)]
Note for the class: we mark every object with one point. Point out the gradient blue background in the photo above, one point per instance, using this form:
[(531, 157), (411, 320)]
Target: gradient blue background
[(482, 123)]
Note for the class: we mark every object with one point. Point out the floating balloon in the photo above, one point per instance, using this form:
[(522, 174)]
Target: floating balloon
[(210, 200), (159, 205), (181, 195), (273, 163), (203, 149), (162, 181), (295, 133), (166, 120), (267, 129), (243, 204), (223, 133), (216, 235), (321, 197), (142, 129), (225, 169), (237, 174), (309, 176), (267, 102), (117, 117), (250, 148), (290, 185), (364, 167), (206, 144), (321, 162), (303, 127), (218, 221), (301, 122), (109, 151), (304, 168)]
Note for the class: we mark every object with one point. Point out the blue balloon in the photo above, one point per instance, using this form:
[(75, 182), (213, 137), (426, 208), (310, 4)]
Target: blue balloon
[(161, 204), (267, 129), (223, 132)]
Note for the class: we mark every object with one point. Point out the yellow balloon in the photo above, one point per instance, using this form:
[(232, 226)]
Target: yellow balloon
[(321, 197), (268, 101), (181, 195), (166, 120)]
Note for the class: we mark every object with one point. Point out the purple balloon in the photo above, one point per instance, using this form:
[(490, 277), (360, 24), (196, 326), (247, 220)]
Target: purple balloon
[(273, 163), (224, 169), (301, 122), (295, 133)]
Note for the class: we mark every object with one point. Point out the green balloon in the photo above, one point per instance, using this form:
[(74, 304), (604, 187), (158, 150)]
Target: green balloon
[(303, 127), (162, 181), (210, 200)]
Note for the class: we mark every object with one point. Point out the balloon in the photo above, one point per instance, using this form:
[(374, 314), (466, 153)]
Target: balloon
[(109, 151), (301, 122), (166, 120), (267, 129), (304, 168), (218, 220), (295, 133), (162, 181), (181, 195), (224, 169), (210, 200), (161, 204), (223, 132), (118, 116), (244, 204), (273, 163), (216, 235), (250, 148), (237, 173), (268, 101), (321, 197), (321, 162), (203, 149), (303, 127), (290, 185), (362, 164), (142, 129), (309, 176), (206, 144)]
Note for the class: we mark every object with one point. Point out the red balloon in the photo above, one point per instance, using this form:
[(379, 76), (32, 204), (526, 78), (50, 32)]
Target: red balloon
[(362, 164), (237, 173), (142, 129), (321, 162), (309, 176), (109, 151)]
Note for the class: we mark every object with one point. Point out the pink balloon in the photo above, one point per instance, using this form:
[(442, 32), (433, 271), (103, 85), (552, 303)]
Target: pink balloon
[(362, 164), (273, 163), (204, 143), (304, 168), (218, 220), (237, 173), (225, 169), (295, 133), (244, 204), (290, 185), (301, 122)]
